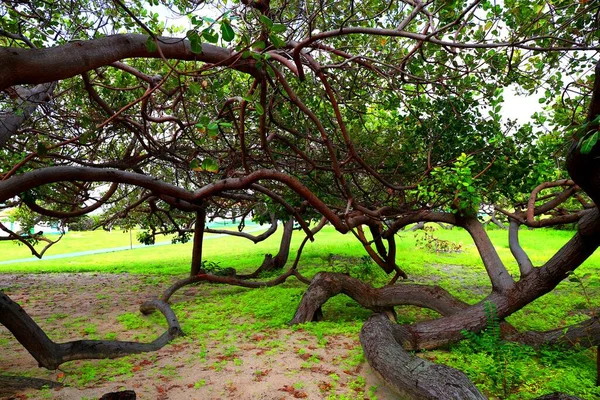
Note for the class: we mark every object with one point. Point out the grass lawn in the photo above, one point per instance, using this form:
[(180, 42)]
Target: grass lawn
[(500, 370)]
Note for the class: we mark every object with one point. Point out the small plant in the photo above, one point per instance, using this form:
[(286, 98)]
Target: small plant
[(426, 240), (199, 384), (504, 362), (362, 268)]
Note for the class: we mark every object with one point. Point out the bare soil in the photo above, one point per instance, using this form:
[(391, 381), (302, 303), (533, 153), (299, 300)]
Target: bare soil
[(277, 364)]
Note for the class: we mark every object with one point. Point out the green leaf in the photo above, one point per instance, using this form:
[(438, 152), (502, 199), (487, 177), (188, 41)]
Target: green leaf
[(278, 28), (259, 109), (213, 129), (195, 41), (194, 88), (227, 32), (277, 41), (210, 165), (151, 45), (588, 144), (195, 165), (210, 36), (266, 21), (260, 45)]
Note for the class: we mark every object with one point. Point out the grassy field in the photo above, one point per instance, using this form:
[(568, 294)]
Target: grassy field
[(500, 370)]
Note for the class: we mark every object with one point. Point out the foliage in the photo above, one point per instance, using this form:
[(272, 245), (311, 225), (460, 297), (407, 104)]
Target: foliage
[(83, 223), (425, 239), (362, 268)]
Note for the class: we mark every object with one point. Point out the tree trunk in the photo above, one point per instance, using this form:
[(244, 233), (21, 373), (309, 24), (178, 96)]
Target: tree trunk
[(198, 241), (276, 263), (409, 376)]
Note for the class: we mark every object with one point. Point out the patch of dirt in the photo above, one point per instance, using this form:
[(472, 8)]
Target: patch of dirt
[(273, 364)]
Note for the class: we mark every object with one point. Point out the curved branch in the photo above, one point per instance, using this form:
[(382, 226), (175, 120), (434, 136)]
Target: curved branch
[(223, 280), (525, 264), (51, 355), (421, 38), (71, 214), (254, 238), (24, 240), (22, 66), (559, 199), (29, 180), (325, 285), (583, 334)]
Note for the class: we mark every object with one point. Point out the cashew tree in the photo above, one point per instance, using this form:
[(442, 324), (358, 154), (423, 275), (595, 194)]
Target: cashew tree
[(367, 116)]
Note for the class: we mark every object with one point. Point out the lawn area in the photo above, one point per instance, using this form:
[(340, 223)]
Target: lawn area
[(500, 370)]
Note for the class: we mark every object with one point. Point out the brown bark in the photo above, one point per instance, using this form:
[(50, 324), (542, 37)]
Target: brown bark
[(525, 264), (325, 285), (271, 263), (499, 276), (51, 355), (27, 66), (409, 376), (10, 385), (583, 334), (198, 241)]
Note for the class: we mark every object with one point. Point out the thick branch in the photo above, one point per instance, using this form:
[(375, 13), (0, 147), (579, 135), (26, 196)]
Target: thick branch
[(525, 265), (50, 355), (584, 334), (325, 285), (409, 376), (26, 66), (499, 276)]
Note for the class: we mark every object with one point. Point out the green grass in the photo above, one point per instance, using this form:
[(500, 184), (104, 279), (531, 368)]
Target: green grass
[(174, 259), (222, 314)]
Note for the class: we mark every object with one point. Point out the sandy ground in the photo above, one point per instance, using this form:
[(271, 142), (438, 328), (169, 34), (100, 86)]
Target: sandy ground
[(290, 364)]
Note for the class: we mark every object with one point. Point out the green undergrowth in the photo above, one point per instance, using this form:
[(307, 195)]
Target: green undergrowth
[(513, 371)]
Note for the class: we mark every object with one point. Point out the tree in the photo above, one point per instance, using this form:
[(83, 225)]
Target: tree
[(368, 116)]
